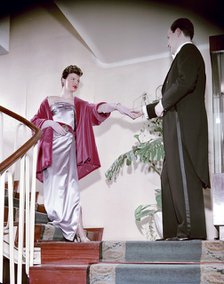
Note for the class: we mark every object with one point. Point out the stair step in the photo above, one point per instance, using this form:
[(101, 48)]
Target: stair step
[(41, 208), (156, 273), (40, 218), (69, 252), (16, 199), (15, 214), (48, 232), (6, 272), (162, 251), (58, 274), (43, 232), (15, 185)]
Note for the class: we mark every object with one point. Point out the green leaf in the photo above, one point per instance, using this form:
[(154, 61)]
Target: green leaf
[(144, 211), (150, 152), (158, 198)]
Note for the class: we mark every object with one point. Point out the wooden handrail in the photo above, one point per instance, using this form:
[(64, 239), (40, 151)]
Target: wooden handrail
[(26, 146)]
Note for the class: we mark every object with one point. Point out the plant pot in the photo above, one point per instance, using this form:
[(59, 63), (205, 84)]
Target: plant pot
[(158, 223)]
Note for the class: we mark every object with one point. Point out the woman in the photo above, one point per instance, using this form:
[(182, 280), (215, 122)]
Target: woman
[(67, 150)]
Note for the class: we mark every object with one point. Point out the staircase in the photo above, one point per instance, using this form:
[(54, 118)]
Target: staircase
[(120, 262), (53, 254), (151, 262), (140, 262), (65, 262), (115, 262), (137, 262)]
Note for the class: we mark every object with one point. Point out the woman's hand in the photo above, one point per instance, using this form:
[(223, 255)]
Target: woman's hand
[(129, 112), (55, 125)]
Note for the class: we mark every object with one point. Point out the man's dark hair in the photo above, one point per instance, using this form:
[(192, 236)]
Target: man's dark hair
[(185, 25)]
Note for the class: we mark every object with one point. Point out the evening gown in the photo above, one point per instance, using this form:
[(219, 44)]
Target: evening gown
[(60, 184)]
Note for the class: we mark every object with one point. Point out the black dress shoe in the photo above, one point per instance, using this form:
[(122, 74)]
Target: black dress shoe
[(172, 239), (178, 239), (183, 239)]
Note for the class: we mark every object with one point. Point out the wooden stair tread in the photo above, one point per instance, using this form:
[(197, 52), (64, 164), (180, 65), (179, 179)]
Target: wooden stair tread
[(94, 234), (41, 208), (58, 261), (48, 233), (70, 253), (69, 274), (69, 245), (61, 266), (15, 185)]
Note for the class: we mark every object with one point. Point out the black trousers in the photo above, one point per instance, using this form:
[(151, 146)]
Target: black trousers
[(182, 199)]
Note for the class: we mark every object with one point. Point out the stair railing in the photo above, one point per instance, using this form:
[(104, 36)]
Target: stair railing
[(27, 197)]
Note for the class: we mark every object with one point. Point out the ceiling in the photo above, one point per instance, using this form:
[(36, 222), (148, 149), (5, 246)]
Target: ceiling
[(127, 31), (124, 32)]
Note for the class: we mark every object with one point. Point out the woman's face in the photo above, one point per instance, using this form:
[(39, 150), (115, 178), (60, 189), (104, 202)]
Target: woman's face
[(71, 83)]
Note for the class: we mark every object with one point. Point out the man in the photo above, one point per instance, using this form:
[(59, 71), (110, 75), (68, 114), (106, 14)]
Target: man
[(185, 134)]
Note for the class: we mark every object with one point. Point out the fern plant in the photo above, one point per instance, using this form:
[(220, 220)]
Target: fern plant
[(150, 153), (147, 212)]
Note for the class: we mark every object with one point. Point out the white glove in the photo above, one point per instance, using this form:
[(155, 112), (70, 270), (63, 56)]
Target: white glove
[(55, 125), (159, 109)]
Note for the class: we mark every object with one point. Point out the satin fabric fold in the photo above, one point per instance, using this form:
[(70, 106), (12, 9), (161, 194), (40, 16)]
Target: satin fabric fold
[(60, 184)]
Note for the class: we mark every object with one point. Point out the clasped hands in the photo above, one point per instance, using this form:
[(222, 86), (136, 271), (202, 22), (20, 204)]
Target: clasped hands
[(129, 112)]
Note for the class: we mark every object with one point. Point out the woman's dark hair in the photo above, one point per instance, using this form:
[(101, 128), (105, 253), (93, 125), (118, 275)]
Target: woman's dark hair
[(185, 25), (71, 69)]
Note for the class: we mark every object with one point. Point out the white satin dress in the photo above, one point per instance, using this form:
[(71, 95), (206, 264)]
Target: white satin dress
[(60, 185)]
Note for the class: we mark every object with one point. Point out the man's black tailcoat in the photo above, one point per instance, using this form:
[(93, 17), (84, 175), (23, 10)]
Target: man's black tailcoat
[(185, 135)]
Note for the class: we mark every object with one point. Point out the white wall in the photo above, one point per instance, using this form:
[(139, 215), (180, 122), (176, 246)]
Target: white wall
[(40, 47)]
